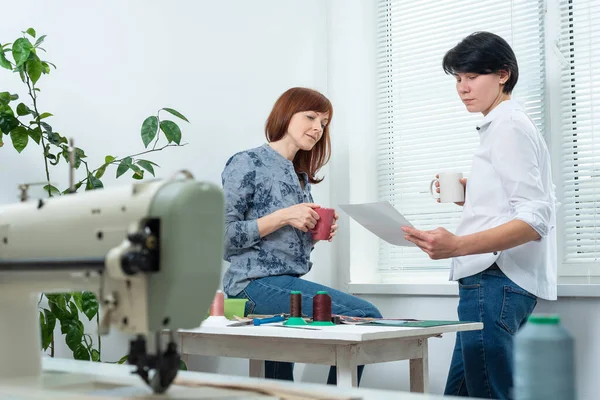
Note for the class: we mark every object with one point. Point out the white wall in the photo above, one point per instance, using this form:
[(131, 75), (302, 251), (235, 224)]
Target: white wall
[(222, 64)]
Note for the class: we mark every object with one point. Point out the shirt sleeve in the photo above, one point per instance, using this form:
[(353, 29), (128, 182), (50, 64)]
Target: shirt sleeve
[(239, 183), (515, 157)]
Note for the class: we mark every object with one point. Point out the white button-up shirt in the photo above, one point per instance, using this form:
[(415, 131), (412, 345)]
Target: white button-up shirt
[(511, 179)]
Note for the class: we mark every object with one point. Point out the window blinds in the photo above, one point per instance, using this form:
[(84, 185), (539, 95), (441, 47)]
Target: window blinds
[(579, 44), (422, 127)]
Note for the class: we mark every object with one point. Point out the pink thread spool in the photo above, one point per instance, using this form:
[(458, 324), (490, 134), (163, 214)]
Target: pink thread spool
[(217, 308), (217, 311)]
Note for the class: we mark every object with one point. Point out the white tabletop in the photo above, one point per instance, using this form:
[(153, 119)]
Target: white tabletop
[(336, 333)]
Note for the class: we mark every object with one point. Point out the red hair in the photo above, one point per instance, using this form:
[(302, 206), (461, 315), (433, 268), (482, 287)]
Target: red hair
[(293, 101)]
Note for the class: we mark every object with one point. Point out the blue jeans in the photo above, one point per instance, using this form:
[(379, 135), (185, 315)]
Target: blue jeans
[(482, 360), (271, 295)]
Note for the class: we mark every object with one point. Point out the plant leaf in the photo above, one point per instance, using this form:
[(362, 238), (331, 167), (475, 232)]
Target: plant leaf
[(35, 134), (68, 190), (42, 329), (182, 366), (74, 335), (73, 309), (53, 189), (171, 130), (138, 175), (77, 299), (81, 353), (21, 49), (122, 169), (149, 130), (50, 319), (4, 98), (4, 63), (176, 113), (102, 169), (39, 41), (22, 109), (19, 138), (8, 122), (79, 154), (46, 115), (147, 165), (89, 304), (124, 166), (31, 32), (122, 360), (137, 172), (47, 127), (100, 172), (58, 306), (95, 355), (93, 183), (34, 69), (54, 138)]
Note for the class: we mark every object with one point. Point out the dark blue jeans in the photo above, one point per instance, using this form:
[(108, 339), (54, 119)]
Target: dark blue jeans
[(482, 360), (271, 295)]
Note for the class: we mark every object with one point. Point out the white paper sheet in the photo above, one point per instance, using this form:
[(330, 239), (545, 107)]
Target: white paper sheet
[(382, 219)]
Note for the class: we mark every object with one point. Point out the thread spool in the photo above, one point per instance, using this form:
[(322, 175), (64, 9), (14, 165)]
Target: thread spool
[(217, 311), (322, 309), (217, 308), (296, 304), (295, 309), (543, 360)]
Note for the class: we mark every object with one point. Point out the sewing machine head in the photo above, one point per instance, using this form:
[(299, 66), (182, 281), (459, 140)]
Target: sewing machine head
[(151, 252)]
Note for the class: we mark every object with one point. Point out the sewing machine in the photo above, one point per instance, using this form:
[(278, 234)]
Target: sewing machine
[(150, 251)]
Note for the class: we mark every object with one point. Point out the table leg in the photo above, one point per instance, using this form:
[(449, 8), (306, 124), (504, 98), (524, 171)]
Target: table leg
[(257, 368), (184, 357), (419, 371), (346, 366)]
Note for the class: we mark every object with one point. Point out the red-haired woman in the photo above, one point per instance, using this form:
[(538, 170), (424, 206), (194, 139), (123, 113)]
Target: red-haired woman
[(269, 213)]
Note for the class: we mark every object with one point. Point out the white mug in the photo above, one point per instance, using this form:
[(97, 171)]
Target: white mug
[(451, 190)]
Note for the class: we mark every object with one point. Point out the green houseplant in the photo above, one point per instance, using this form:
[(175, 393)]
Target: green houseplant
[(26, 124)]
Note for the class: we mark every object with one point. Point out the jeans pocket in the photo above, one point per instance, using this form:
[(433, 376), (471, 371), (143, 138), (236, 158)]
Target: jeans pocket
[(469, 301), (463, 286), (250, 304), (517, 305)]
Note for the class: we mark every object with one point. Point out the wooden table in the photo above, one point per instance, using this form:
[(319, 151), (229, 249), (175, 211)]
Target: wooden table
[(345, 346)]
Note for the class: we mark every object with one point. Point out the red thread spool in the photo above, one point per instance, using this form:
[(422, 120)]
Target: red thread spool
[(296, 304), (322, 308)]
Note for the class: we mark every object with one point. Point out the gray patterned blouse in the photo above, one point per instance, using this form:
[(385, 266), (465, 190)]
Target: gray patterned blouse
[(258, 182)]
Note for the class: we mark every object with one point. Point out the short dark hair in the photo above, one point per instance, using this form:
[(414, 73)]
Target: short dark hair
[(483, 53)]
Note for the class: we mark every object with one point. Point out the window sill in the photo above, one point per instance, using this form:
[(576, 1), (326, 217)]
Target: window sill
[(451, 289)]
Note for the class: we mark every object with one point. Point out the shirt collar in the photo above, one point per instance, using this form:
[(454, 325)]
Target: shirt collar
[(501, 109), (277, 156)]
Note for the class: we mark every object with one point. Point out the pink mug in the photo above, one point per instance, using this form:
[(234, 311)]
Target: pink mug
[(322, 230)]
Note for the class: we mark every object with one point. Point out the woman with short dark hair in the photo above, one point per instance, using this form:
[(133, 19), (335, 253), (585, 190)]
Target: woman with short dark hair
[(504, 251)]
